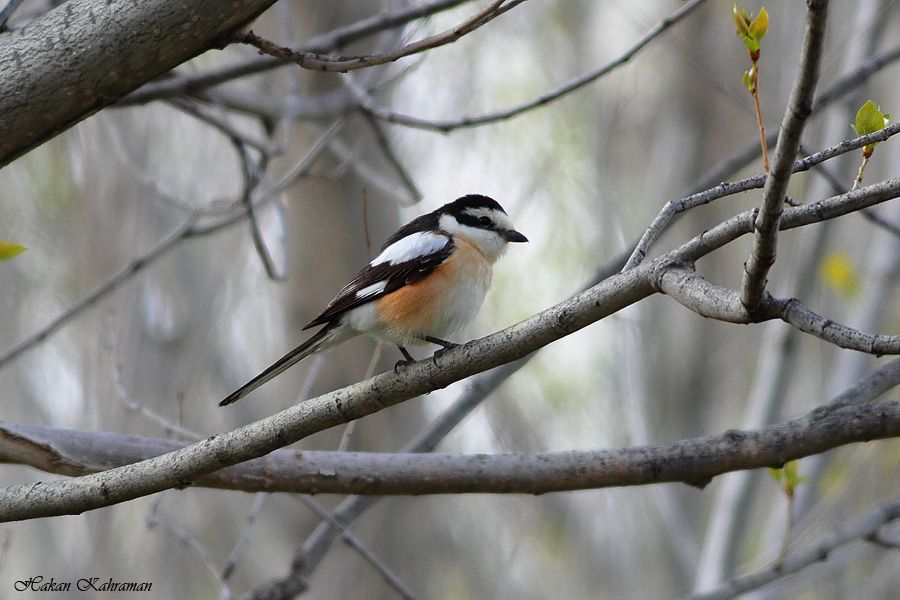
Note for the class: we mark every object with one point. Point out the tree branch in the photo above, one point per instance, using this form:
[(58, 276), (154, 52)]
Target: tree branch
[(341, 64), (861, 530), (693, 461), (762, 256), (49, 82), (188, 231), (183, 466), (694, 292), (673, 208), (369, 105), (326, 42)]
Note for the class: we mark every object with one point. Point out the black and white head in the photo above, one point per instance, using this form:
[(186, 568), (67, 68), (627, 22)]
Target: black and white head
[(480, 220)]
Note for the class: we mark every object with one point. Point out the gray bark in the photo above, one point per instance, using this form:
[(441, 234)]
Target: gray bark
[(82, 56)]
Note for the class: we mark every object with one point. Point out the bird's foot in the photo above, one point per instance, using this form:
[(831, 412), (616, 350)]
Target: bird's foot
[(440, 352), (402, 363), (407, 360)]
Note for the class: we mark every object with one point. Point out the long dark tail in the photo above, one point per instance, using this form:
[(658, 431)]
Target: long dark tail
[(313, 344)]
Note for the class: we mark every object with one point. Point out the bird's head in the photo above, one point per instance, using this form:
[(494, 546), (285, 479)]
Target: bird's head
[(480, 220)]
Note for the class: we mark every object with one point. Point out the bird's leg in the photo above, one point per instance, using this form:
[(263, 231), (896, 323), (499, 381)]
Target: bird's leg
[(445, 346), (408, 359)]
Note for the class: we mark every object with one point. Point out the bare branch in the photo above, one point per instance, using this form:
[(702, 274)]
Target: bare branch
[(189, 230), (762, 256), (351, 540), (392, 158), (692, 461), (334, 39), (252, 176), (32, 110), (673, 208), (190, 541), (231, 564), (109, 286), (861, 530), (370, 105), (798, 216), (693, 291), (326, 63), (340, 406)]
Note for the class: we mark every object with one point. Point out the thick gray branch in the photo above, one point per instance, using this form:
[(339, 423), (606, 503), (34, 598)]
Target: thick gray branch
[(693, 461), (762, 256), (82, 56)]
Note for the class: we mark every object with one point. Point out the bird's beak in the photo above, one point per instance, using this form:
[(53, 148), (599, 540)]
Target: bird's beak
[(511, 235)]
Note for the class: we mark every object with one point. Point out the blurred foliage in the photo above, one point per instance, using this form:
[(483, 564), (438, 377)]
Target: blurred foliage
[(838, 272), (10, 250)]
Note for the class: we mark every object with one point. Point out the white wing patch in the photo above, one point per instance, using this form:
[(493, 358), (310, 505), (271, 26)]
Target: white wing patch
[(371, 290), (413, 246)]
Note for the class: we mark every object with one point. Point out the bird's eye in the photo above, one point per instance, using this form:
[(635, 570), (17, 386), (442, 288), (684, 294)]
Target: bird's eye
[(485, 221)]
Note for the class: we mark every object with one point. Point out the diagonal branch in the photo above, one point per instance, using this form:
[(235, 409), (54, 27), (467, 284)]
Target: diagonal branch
[(762, 255), (183, 466), (859, 531)]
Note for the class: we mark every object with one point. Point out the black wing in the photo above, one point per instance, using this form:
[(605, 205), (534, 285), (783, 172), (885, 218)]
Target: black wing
[(394, 277)]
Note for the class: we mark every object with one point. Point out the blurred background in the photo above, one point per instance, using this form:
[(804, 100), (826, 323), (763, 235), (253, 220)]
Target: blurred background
[(581, 177)]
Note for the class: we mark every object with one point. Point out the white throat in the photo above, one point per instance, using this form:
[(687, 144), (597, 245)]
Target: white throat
[(489, 243)]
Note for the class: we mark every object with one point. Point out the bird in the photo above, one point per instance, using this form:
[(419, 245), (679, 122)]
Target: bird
[(429, 279)]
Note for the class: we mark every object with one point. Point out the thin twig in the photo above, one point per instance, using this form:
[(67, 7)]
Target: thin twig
[(861, 530), (326, 63), (766, 226), (369, 105), (114, 282), (326, 42), (189, 230), (673, 208), (225, 128), (258, 502), (351, 540), (867, 213), (350, 429), (190, 541), (392, 158), (861, 172), (252, 175), (759, 120)]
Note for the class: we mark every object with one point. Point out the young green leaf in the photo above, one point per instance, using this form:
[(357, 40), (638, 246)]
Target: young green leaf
[(748, 81), (760, 25), (9, 250), (750, 29), (870, 119), (788, 477), (741, 20)]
